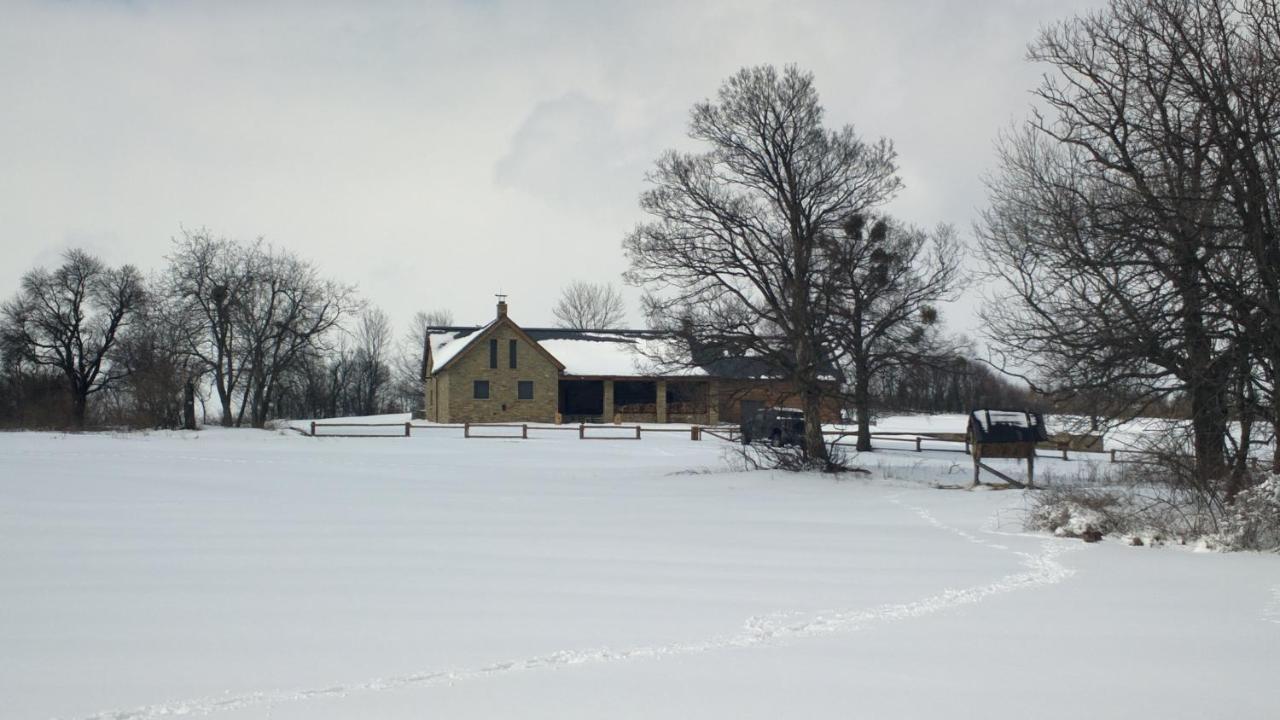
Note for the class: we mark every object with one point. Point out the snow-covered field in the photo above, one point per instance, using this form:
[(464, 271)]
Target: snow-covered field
[(249, 574)]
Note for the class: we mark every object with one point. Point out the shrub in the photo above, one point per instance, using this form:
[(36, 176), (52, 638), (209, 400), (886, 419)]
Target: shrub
[(1253, 518)]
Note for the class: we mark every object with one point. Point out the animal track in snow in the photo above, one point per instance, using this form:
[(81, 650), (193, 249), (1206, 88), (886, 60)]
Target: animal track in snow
[(1271, 613), (1041, 569)]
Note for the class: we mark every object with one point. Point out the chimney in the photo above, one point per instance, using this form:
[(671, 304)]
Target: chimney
[(502, 307)]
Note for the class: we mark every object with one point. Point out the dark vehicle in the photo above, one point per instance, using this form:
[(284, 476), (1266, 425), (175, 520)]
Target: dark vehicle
[(778, 426)]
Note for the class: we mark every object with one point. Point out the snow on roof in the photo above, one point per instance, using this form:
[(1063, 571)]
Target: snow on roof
[(1003, 417), (447, 344), (616, 355)]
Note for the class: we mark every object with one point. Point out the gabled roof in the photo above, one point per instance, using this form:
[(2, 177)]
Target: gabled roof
[(603, 353), (450, 349)]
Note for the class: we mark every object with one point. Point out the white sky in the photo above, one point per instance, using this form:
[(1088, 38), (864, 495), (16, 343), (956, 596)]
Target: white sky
[(436, 153)]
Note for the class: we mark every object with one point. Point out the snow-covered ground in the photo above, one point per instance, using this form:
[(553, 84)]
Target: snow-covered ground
[(249, 574)]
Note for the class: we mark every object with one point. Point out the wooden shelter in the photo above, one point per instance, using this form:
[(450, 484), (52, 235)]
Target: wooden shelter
[(1005, 434)]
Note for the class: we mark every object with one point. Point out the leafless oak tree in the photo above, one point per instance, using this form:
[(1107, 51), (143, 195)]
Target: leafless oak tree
[(589, 306), (70, 319), (736, 253), (208, 278), (1133, 226)]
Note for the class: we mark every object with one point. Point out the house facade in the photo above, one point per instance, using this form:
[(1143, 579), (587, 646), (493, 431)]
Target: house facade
[(501, 372)]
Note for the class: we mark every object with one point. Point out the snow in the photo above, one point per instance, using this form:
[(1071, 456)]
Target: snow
[(250, 574), (1002, 417), (445, 345), (619, 356)]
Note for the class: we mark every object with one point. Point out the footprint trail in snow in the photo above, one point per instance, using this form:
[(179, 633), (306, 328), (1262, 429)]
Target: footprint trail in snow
[(1041, 569)]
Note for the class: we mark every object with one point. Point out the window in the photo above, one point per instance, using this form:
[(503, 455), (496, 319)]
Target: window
[(524, 389), (481, 390), (511, 352), (493, 354)]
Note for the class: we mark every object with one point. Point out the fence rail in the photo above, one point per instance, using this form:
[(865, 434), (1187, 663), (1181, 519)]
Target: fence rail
[(728, 433)]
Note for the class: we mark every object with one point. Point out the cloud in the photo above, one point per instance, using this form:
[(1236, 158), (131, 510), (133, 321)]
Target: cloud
[(408, 145), (570, 151)]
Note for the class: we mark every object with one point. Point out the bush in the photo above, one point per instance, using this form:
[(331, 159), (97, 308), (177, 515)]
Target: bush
[(1079, 512), (793, 459), (1253, 520)]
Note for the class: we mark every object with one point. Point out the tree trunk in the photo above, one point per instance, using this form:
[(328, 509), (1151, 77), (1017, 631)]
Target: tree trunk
[(862, 406), (189, 406), (79, 405), (815, 443)]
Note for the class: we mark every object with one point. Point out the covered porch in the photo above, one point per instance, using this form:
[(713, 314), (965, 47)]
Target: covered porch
[(639, 400)]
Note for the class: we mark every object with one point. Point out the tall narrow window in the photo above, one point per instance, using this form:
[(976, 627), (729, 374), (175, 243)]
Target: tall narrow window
[(511, 352), (524, 390), (493, 353), (480, 391)]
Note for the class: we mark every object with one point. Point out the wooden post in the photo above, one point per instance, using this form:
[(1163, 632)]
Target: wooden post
[(524, 431), (466, 429), (695, 433), (313, 434), (406, 429), (582, 431), (1063, 447), (977, 464), (1113, 454), (917, 443), (637, 431), (1031, 467)]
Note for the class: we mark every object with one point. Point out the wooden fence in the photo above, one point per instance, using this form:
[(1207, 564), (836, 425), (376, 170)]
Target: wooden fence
[(942, 442)]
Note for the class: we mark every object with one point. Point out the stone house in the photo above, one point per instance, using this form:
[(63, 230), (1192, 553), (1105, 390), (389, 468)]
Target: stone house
[(501, 372)]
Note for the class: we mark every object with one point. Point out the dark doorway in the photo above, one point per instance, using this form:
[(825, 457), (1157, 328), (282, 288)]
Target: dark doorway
[(749, 408), (631, 396), (581, 400)]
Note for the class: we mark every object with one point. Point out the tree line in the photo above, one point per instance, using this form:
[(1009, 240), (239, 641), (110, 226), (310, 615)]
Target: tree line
[(1131, 242), (251, 329)]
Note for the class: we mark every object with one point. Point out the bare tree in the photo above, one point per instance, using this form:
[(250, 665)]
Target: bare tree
[(69, 319), (589, 306), (208, 279), (737, 254), (162, 374), (411, 359), (286, 311), (1132, 225), (888, 280), (372, 355)]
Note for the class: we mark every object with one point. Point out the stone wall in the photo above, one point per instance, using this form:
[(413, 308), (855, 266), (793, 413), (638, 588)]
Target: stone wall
[(457, 401)]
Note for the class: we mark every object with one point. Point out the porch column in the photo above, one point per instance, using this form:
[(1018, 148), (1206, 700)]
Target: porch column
[(661, 399), (713, 402), (609, 410)]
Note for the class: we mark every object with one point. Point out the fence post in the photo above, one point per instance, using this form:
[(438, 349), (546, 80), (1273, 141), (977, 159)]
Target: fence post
[(466, 429), (313, 428), (1113, 454), (1063, 447), (524, 431), (406, 429), (582, 431), (917, 443), (637, 431), (695, 433)]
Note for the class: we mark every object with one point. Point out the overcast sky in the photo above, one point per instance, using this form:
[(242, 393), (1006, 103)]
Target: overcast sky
[(438, 153)]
